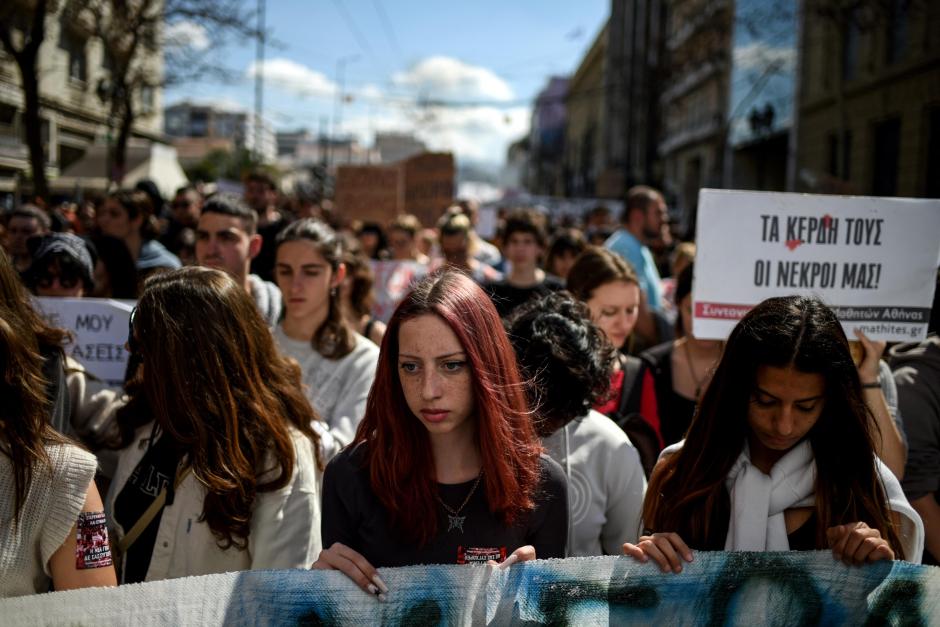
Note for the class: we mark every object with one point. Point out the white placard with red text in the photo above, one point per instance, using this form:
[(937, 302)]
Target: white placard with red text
[(873, 260)]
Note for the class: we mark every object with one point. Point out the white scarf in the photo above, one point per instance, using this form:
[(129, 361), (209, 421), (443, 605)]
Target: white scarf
[(758, 501)]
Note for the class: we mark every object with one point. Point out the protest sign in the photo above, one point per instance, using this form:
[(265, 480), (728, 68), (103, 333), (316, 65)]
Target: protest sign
[(99, 327), (873, 260), (790, 588), (393, 280)]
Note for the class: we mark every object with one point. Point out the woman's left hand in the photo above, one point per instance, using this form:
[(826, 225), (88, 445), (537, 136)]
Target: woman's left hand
[(522, 554), (868, 368), (857, 543)]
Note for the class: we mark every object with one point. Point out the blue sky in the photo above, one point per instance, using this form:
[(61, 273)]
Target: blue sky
[(492, 56)]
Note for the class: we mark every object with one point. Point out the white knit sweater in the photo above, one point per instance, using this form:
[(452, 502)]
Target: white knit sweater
[(337, 388), (55, 498)]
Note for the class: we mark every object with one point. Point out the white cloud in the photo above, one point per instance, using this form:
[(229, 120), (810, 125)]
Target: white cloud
[(186, 34), (448, 78), (475, 134), (759, 56), (295, 78)]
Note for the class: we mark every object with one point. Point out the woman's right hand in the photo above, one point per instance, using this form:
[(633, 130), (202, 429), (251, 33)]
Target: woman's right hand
[(664, 548), (352, 564)]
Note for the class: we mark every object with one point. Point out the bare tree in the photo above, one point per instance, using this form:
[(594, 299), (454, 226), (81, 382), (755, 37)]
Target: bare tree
[(133, 31), (25, 52)]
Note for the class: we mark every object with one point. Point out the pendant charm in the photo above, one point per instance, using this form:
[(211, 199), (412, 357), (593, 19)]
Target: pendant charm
[(455, 522)]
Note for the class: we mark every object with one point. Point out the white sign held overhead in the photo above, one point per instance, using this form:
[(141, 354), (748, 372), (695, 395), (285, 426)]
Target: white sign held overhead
[(872, 260), (99, 327)]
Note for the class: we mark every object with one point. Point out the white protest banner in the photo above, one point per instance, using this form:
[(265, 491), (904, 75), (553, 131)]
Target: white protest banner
[(99, 326), (873, 260), (393, 280)]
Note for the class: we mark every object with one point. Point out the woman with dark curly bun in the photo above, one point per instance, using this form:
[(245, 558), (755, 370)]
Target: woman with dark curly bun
[(568, 364)]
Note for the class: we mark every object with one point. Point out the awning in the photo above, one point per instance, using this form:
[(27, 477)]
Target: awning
[(153, 161)]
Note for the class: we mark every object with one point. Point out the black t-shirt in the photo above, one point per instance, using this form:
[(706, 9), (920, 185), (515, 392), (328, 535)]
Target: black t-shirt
[(263, 263), (156, 470), (354, 516), (507, 297)]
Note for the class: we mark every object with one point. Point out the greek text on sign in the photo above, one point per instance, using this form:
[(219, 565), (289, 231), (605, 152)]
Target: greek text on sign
[(99, 327), (872, 260)]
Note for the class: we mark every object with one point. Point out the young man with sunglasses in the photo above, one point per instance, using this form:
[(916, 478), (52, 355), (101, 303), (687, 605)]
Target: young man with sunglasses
[(62, 266)]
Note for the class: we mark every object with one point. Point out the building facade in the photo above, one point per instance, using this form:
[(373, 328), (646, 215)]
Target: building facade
[(870, 98), (584, 159), (695, 100), (194, 124), (546, 142), (72, 72)]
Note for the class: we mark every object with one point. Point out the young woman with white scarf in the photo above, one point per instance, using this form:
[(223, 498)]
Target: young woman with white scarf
[(780, 454)]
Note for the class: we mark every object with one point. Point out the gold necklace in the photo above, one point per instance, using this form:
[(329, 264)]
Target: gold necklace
[(454, 519)]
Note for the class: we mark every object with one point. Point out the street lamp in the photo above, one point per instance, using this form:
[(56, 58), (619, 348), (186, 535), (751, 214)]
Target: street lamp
[(340, 96)]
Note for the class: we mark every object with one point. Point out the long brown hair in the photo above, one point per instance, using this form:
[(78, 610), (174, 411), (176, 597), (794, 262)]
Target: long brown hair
[(214, 382), (24, 424), (687, 491), (398, 450), (17, 300)]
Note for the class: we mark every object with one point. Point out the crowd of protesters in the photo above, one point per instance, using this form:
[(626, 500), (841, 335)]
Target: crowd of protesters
[(538, 395)]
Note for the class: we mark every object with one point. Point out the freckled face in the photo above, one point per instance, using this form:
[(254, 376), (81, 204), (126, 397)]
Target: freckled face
[(435, 375)]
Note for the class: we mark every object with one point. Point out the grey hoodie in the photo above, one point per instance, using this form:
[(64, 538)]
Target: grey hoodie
[(267, 299)]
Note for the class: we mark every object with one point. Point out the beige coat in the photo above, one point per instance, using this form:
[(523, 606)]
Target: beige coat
[(285, 525)]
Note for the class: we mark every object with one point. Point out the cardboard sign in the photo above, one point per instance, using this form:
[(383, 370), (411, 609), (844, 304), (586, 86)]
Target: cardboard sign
[(99, 327), (393, 280), (872, 260)]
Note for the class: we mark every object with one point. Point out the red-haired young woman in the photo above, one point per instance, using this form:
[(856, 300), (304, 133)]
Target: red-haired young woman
[(446, 466)]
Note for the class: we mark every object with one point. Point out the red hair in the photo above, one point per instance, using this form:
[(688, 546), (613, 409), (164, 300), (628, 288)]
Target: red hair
[(398, 450)]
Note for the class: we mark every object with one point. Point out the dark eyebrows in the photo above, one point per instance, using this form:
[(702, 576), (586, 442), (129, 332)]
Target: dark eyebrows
[(454, 354), (799, 400)]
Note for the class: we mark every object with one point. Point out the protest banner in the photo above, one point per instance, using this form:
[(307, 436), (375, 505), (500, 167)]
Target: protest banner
[(873, 260), (393, 280), (99, 327), (790, 588), (371, 193)]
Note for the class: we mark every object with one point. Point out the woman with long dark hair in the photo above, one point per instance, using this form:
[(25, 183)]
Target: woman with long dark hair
[(446, 466), (780, 454), (220, 467), (338, 364), (49, 505)]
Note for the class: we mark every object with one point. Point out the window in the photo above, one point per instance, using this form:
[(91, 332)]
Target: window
[(897, 31), (840, 154), (74, 47), (887, 152), (850, 39), (147, 98)]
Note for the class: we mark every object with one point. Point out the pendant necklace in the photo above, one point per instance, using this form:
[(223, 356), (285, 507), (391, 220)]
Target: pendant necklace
[(454, 519)]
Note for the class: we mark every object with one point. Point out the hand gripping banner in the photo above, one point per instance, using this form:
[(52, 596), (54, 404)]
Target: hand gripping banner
[(716, 589)]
